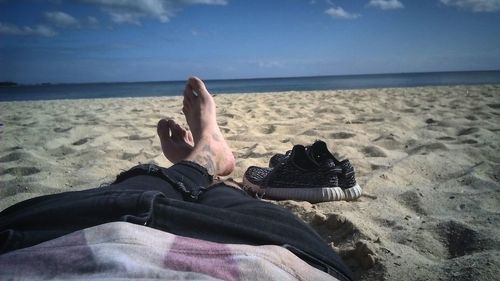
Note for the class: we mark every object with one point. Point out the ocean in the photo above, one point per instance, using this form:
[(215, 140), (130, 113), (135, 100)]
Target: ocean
[(175, 88)]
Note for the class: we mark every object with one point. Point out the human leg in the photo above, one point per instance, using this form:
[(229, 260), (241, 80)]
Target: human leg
[(204, 144), (197, 154), (182, 181)]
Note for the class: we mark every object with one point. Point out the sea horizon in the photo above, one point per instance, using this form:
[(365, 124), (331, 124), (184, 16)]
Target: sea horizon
[(249, 78), (51, 91)]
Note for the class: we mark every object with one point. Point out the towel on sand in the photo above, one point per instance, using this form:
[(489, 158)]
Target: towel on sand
[(126, 251)]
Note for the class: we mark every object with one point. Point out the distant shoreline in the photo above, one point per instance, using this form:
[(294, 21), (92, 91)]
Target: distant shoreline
[(252, 78), (8, 84), (259, 85)]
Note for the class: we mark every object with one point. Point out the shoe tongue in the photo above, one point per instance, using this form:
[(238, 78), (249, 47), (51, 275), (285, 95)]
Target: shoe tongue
[(302, 159), (318, 151), (315, 160)]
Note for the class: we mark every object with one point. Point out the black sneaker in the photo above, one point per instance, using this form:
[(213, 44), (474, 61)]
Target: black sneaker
[(299, 177), (319, 151)]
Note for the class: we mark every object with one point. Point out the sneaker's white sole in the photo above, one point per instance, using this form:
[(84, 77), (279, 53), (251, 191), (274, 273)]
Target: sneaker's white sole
[(312, 195)]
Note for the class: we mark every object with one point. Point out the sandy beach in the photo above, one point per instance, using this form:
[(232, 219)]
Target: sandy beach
[(427, 158)]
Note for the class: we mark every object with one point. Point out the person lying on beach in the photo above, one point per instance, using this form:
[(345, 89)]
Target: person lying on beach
[(182, 200)]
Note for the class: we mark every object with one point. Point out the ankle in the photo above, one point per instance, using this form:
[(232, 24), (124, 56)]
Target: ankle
[(207, 135)]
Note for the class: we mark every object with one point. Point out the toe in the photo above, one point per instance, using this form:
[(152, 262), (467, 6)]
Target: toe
[(177, 133), (189, 138), (163, 128), (198, 86), (188, 94)]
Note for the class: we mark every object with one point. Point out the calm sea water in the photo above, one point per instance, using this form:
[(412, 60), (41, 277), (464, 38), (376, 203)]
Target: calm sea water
[(175, 88)]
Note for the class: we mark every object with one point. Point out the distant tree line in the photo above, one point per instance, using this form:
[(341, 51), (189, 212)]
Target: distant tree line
[(8, 84)]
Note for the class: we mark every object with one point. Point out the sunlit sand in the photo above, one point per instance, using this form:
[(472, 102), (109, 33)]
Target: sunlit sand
[(427, 159)]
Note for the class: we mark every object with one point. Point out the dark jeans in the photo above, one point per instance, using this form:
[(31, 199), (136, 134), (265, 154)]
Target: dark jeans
[(179, 200)]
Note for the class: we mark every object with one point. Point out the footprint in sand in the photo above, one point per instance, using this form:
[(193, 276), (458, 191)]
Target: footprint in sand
[(467, 131), (446, 138), (409, 110), (375, 119), (62, 151), (138, 137), (387, 223), (388, 141), (471, 117), (30, 124), (430, 121), (14, 156), (412, 201), (373, 151), (319, 110), (130, 156), (378, 166), (469, 141), (460, 239), (268, 129), (426, 148), (20, 171), (494, 105), (62, 130), (342, 135), (310, 133), (81, 141), (227, 115)]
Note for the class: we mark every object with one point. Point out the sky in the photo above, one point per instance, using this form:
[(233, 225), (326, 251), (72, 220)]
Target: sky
[(75, 41)]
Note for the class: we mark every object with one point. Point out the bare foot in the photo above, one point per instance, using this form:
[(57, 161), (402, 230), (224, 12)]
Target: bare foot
[(176, 142), (211, 149)]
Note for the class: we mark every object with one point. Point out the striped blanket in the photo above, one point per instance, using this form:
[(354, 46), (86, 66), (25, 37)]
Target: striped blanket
[(125, 251)]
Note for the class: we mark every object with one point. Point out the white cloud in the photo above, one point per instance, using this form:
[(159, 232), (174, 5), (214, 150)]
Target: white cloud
[(475, 5), (61, 19), (386, 4), (133, 11), (92, 20), (340, 13), (129, 17), (39, 30)]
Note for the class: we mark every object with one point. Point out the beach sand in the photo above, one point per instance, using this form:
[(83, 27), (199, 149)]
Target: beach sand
[(427, 158)]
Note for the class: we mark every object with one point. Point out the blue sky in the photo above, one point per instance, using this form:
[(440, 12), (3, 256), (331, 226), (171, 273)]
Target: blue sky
[(157, 40)]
